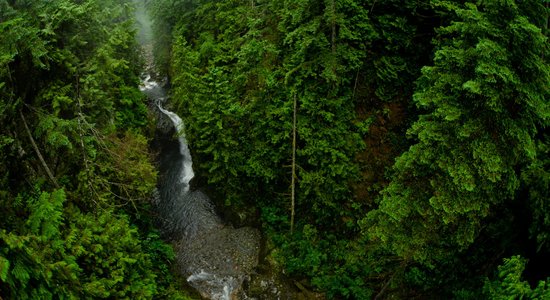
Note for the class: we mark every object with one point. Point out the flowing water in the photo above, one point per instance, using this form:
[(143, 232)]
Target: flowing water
[(214, 257), (187, 169)]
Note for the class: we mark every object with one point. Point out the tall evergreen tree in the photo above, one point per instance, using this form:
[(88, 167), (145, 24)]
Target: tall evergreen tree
[(485, 99)]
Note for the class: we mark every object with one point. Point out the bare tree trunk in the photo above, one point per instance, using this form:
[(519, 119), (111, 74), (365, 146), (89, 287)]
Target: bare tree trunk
[(333, 37), (52, 178), (293, 184), (400, 269), (547, 18)]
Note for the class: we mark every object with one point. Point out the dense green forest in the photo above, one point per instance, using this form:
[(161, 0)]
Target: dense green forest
[(76, 175), (387, 149), (420, 162)]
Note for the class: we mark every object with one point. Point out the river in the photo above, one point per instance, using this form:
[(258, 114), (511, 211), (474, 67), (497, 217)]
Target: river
[(214, 257)]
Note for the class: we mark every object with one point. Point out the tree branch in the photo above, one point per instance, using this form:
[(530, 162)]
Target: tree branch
[(48, 171)]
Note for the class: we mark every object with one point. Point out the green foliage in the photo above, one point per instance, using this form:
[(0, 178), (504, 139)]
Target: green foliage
[(537, 180), (112, 259), (477, 144), (229, 76), (484, 99), (336, 266), (71, 69), (93, 255), (237, 66), (509, 284), (120, 172), (46, 215)]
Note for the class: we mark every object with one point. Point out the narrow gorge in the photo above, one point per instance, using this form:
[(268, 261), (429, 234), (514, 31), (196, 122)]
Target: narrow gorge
[(214, 257)]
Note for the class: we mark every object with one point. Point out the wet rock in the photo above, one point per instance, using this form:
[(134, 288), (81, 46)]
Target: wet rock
[(217, 262)]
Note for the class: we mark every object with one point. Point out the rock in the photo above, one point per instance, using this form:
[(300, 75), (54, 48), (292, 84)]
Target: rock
[(217, 262)]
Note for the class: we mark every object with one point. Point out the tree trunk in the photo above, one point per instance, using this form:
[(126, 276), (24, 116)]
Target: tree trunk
[(333, 23), (293, 182), (40, 157)]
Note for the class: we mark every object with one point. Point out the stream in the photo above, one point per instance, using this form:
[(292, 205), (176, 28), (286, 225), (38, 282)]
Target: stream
[(219, 261), (214, 257)]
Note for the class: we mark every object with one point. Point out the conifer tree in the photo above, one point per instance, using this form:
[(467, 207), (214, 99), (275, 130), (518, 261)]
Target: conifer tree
[(509, 283), (484, 101)]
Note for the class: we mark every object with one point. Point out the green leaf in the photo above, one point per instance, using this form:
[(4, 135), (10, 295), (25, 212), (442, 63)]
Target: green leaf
[(4, 268)]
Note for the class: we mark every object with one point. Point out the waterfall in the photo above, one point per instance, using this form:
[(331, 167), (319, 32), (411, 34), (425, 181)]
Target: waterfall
[(185, 214), (214, 257), (208, 252), (187, 169), (153, 88)]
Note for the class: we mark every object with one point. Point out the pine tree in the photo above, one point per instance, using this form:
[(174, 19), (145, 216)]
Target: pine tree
[(485, 99), (509, 284)]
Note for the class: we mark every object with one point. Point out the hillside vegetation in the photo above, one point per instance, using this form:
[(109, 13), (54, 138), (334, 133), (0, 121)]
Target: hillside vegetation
[(387, 149), (420, 161), (76, 176)]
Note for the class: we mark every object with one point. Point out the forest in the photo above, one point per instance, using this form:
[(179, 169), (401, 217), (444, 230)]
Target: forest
[(385, 149)]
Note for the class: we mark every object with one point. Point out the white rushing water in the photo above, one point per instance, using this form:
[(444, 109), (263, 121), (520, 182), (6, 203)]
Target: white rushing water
[(187, 173), (190, 214), (204, 277), (147, 84), (213, 256)]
